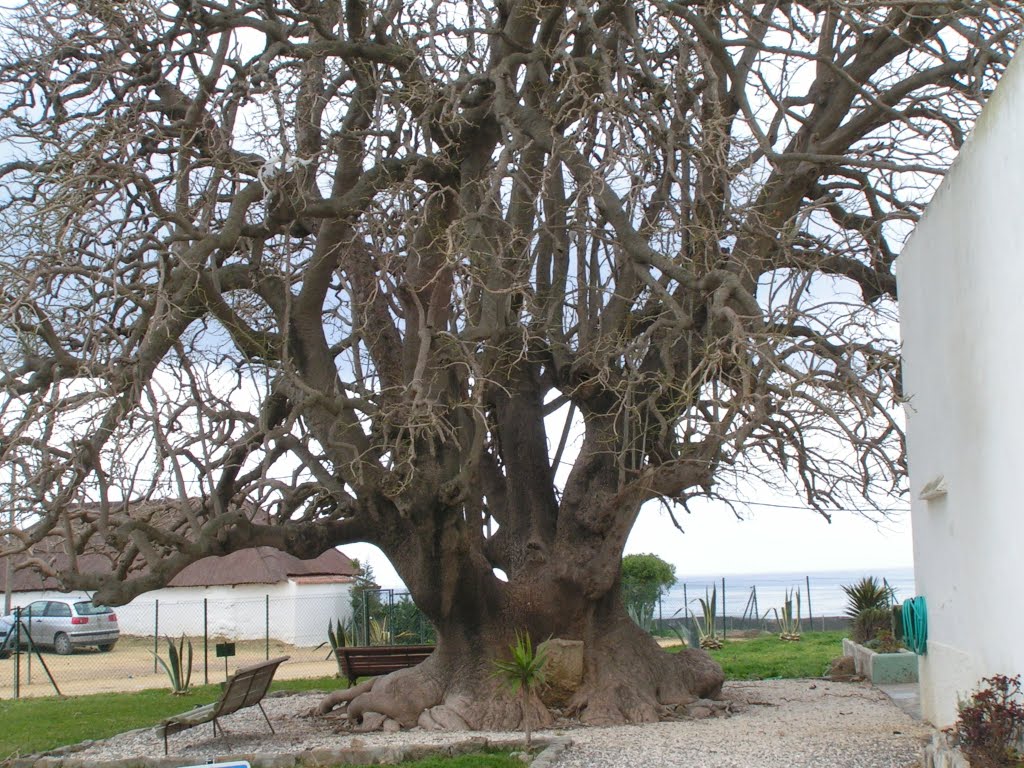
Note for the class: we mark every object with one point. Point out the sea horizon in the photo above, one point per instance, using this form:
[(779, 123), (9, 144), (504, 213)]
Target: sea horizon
[(826, 596)]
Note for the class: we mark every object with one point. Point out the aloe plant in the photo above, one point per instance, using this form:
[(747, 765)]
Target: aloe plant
[(789, 625), (524, 673), (708, 637), (178, 665)]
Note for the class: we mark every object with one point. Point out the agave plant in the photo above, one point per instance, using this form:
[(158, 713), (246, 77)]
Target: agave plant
[(523, 672), (640, 613), (706, 630), (789, 624), (178, 665), (338, 635)]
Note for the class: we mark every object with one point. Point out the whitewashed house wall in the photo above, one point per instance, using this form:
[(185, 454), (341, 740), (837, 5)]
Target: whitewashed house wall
[(961, 289), (299, 610)]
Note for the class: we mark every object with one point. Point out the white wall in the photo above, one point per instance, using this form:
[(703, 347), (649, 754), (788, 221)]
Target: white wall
[(298, 612), (962, 316)]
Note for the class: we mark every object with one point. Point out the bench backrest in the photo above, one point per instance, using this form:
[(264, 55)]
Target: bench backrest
[(247, 686), (359, 660), (371, 654)]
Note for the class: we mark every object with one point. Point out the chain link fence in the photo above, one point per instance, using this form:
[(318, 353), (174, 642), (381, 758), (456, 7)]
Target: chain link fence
[(388, 617), (252, 628), (223, 637)]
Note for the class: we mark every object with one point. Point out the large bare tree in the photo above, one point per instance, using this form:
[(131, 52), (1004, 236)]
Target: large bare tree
[(376, 270)]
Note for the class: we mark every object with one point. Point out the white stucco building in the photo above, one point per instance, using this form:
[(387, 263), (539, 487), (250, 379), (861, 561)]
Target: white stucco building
[(246, 595), (962, 309)]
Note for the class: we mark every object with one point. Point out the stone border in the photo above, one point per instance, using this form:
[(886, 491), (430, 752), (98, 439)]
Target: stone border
[(320, 758), (940, 753)]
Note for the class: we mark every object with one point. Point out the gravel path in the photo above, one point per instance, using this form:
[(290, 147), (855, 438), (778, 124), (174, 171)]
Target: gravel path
[(774, 724)]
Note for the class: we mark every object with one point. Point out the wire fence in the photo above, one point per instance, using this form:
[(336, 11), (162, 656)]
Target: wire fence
[(751, 602), (227, 635), (223, 635)]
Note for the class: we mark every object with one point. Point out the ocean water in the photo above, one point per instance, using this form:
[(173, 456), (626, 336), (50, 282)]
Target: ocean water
[(825, 597)]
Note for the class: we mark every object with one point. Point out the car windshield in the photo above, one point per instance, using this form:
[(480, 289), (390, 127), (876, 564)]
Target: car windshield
[(88, 609)]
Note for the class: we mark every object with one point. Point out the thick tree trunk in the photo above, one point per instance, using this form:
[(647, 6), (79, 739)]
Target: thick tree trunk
[(562, 558), (627, 678)]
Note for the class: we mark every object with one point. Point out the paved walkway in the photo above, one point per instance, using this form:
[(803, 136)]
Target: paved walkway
[(906, 696)]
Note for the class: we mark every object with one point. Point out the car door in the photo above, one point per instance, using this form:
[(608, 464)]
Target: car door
[(34, 617), (58, 619)]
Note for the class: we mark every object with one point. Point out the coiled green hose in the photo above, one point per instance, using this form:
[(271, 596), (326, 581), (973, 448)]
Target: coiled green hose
[(915, 625)]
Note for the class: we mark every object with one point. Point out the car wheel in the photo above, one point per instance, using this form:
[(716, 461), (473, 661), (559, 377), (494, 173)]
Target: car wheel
[(5, 655), (62, 644), (107, 647)]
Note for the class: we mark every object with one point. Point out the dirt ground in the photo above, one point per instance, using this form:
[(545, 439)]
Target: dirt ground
[(131, 666)]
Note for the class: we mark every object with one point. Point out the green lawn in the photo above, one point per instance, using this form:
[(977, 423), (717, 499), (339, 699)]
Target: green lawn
[(767, 657), (475, 760), (37, 724)]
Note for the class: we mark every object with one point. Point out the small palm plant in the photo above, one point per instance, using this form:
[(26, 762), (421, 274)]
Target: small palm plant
[(866, 594), (178, 665), (524, 672), (868, 603)]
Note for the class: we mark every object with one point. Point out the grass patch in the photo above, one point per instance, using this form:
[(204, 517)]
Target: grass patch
[(329, 683), (768, 657), (473, 760), (36, 724)]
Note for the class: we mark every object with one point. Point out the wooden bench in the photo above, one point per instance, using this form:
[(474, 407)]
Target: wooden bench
[(369, 660), (245, 688)]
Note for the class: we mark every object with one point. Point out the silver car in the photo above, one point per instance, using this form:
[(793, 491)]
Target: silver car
[(68, 623)]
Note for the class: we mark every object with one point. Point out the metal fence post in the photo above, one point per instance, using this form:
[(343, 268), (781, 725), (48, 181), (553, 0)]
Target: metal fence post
[(266, 611), (810, 614), (17, 656), (206, 643), (156, 634), (725, 627), (28, 664), (366, 620)]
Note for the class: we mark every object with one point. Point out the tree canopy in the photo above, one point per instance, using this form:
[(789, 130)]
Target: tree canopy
[(310, 272)]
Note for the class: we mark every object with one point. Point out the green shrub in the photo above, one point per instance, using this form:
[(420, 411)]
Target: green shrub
[(990, 723), (869, 622), (645, 578)]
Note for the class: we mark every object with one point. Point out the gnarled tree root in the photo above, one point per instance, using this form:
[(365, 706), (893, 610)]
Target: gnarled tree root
[(423, 696), (643, 685)]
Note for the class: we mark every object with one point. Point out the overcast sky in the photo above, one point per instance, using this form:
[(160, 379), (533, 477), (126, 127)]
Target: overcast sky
[(769, 539)]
